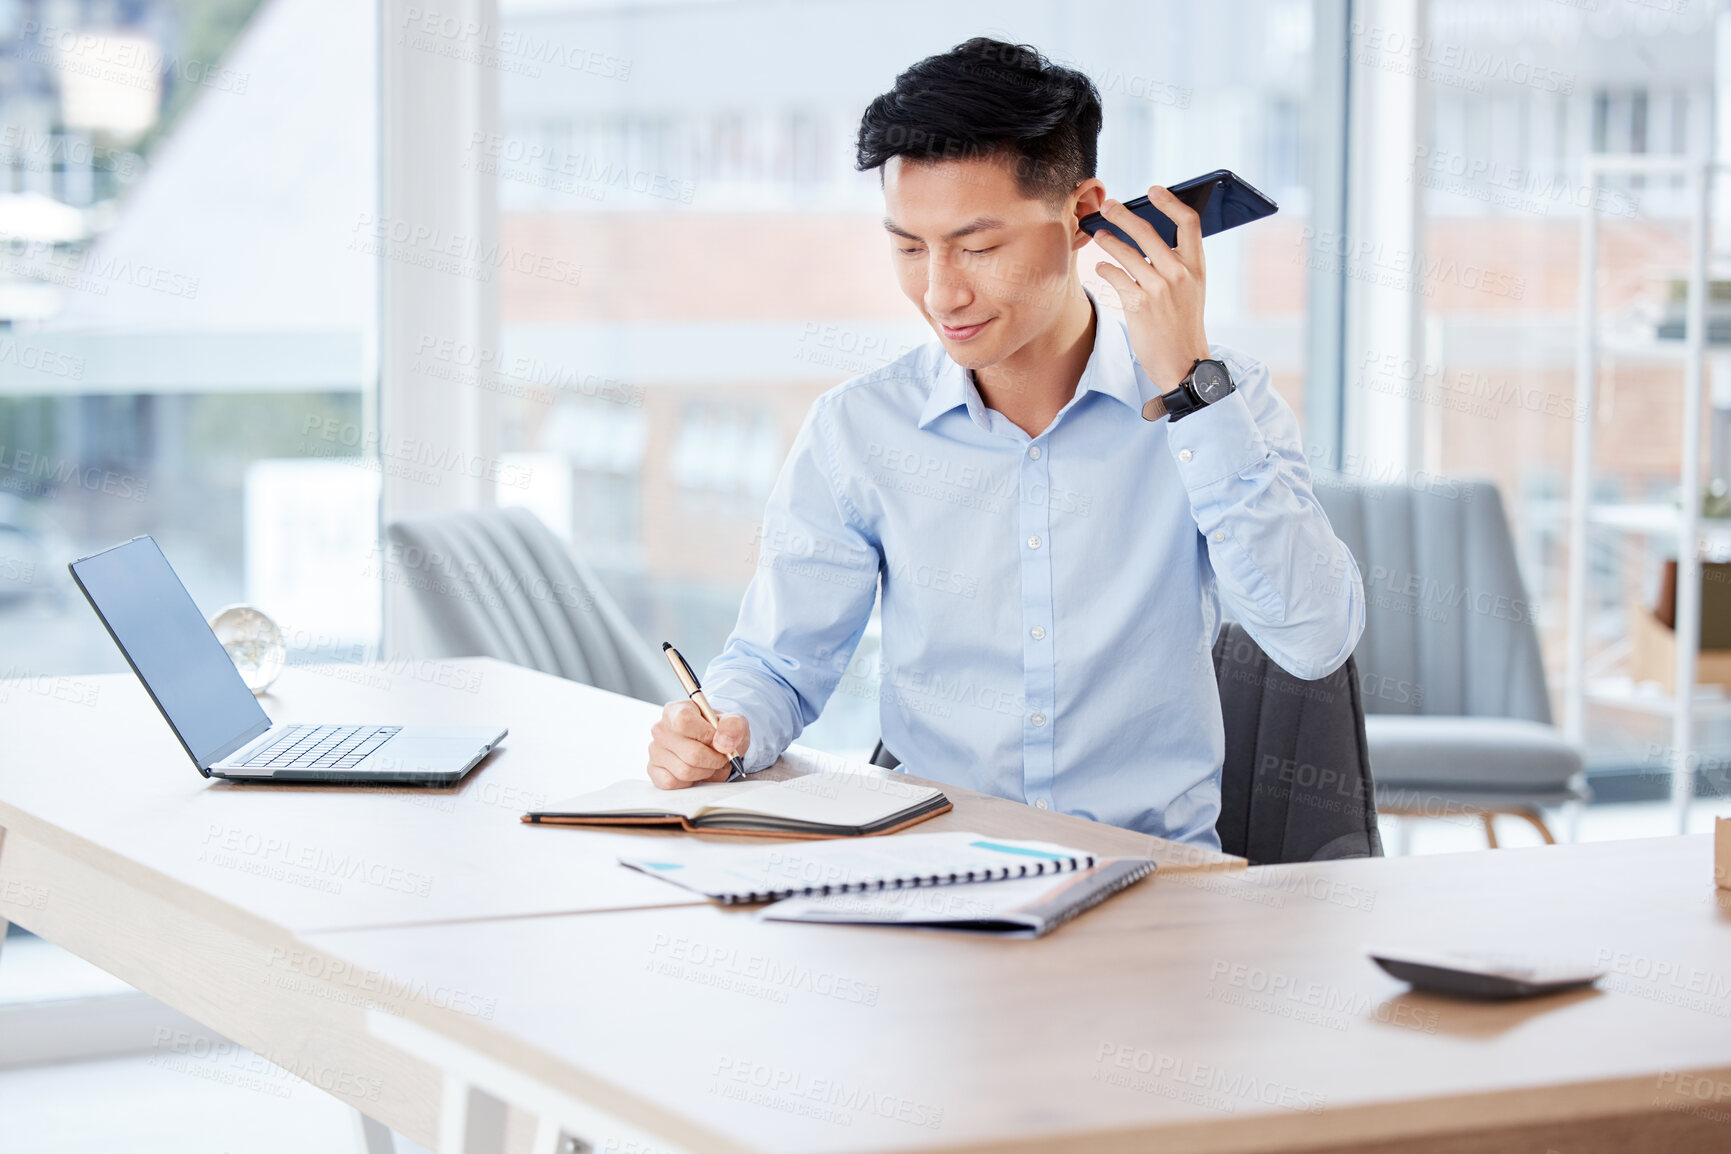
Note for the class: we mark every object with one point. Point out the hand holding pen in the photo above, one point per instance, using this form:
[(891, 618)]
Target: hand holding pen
[(692, 743)]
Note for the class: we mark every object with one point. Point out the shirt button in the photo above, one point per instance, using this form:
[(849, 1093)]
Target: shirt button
[(1041, 804), (1219, 535), (1038, 633), (1034, 453), (1038, 719), (1033, 542), (1185, 455)]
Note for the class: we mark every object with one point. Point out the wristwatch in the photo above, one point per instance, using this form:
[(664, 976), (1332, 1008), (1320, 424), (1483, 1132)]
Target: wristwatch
[(1207, 382)]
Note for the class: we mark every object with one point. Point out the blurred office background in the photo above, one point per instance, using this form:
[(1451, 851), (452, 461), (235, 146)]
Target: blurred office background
[(675, 255), (236, 313)]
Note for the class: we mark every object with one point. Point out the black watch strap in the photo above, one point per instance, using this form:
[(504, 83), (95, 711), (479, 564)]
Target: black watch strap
[(1183, 400), (1175, 404)]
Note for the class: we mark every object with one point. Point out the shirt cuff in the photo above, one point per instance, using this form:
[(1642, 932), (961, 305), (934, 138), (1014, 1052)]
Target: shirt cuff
[(1216, 442)]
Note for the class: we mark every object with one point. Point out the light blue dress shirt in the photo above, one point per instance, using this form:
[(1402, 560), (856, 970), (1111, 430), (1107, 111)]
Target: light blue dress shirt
[(1049, 603)]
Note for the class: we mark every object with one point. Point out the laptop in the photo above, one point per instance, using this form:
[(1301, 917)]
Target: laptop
[(221, 725)]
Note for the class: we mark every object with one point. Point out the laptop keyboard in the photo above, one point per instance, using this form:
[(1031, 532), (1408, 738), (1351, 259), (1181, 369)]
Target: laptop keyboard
[(322, 746)]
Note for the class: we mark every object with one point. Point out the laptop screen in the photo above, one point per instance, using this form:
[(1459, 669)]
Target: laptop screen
[(152, 618)]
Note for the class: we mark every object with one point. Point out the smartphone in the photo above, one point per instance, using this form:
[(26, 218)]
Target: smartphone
[(1222, 199)]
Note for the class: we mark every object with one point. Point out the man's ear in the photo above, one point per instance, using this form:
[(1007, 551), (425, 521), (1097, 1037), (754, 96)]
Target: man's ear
[(1087, 198)]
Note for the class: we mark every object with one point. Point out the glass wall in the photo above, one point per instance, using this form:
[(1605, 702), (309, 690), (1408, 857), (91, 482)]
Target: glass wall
[(697, 162), (186, 325), (1520, 94)]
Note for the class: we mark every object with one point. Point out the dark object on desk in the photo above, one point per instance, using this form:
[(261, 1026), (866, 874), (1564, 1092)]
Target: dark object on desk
[(151, 617), (1459, 717), (1296, 784), (497, 583), (1715, 602), (1482, 978)]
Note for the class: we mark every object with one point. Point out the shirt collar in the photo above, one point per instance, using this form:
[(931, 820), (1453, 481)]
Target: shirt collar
[(1111, 370), (953, 386)]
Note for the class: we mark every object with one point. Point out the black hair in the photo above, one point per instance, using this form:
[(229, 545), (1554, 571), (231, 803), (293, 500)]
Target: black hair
[(988, 98)]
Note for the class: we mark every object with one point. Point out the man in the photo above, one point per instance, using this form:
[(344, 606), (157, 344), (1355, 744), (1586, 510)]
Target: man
[(1052, 555)]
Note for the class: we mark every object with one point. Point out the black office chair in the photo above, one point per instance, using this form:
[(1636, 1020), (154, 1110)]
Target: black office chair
[(1296, 783)]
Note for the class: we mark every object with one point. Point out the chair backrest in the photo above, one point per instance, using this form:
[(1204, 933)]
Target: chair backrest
[(497, 583), (1295, 785), (1449, 631)]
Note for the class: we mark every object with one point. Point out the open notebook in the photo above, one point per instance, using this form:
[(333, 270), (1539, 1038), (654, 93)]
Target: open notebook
[(1027, 908), (731, 874), (816, 805)]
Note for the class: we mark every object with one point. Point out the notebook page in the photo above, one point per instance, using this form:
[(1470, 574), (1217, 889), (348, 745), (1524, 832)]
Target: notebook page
[(756, 873), (1033, 903), (926, 905), (640, 795), (830, 798)]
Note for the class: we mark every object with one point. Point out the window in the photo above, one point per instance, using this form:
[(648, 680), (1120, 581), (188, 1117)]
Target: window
[(732, 264), (1530, 89), (186, 329)]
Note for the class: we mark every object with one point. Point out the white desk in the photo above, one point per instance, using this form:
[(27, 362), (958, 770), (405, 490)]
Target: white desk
[(1208, 1012), (197, 892), (1209, 1008)]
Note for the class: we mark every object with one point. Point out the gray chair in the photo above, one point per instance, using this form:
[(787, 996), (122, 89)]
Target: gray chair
[(1459, 716), (1295, 785), (497, 583)]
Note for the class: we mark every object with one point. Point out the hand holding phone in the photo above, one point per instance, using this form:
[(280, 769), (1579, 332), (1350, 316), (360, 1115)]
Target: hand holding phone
[(1161, 287), (1221, 199)]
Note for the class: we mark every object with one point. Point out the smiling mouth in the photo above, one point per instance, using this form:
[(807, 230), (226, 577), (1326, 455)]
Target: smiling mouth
[(962, 332)]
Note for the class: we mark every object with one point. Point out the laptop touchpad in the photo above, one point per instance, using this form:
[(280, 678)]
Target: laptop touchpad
[(429, 754)]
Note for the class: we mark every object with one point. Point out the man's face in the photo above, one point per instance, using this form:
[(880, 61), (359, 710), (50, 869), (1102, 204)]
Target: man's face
[(988, 267)]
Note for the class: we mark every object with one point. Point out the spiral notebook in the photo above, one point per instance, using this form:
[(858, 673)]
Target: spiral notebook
[(1028, 908), (730, 874)]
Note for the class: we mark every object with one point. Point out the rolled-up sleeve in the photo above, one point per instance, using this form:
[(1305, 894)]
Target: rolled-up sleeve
[(808, 602), (1279, 567)]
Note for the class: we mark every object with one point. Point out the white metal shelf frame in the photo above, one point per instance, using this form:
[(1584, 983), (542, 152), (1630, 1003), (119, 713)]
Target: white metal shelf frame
[(1686, 528)]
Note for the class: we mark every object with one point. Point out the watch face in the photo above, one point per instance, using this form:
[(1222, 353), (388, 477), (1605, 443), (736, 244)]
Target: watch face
[(1211, 381)]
